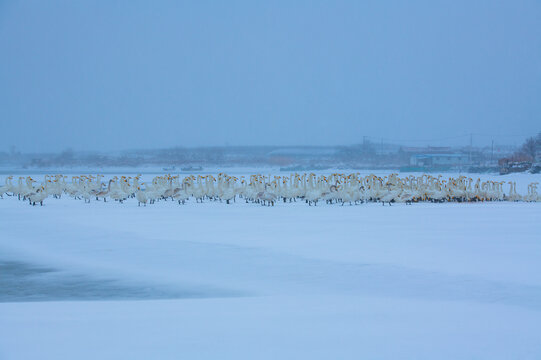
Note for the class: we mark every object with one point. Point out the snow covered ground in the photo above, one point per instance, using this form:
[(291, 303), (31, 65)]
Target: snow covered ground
[(208, 281)]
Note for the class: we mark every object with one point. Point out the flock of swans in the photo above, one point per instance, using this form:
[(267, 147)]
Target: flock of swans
[(266, 190)]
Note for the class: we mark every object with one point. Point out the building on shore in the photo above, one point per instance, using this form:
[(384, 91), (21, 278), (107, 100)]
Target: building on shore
[(432, 160)]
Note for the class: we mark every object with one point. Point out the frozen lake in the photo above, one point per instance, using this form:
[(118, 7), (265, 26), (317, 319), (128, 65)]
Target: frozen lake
[(426, 281)]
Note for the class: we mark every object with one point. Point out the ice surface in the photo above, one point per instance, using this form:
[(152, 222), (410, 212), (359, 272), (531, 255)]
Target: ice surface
[(427, 281)]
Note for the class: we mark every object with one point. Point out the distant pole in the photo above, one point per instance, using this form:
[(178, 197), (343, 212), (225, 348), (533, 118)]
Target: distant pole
[(492, 152), (471, 145)]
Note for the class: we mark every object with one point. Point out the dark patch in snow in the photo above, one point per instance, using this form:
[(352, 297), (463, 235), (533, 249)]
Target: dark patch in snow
[(22, 282)]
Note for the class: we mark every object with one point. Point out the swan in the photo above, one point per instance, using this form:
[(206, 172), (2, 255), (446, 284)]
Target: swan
[(406, 196), (86, 190), (513, 195), (173, 189), (343, 195), (181, 196), (8, 187), (532, 196), (117, 194), (267, 197), (199, 191), (103, 193), (228, 193), (263, 189), (38, 196), (152, 192), (25, 190), (391, 196), (141, 197), (251, 190), (55, 188), (313, 192)]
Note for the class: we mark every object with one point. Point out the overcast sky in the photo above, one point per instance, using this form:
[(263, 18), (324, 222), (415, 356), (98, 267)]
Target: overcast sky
[(113, 75)]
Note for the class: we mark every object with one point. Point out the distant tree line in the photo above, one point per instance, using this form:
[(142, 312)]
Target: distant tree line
[(364, 155), (530, 149)]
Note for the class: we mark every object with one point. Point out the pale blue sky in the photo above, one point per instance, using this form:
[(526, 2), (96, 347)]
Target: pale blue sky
[(146, 74)]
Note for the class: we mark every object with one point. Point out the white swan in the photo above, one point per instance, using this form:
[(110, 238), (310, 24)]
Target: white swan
[(38, 196), (8, 187), (141, 197), (337, 187)]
